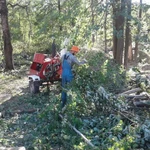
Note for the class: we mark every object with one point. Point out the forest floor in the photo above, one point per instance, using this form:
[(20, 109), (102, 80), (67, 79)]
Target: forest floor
[(13, 86), (18, 106)]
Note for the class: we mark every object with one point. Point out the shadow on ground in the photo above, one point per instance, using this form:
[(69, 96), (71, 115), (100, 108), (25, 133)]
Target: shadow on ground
[(26, 119)]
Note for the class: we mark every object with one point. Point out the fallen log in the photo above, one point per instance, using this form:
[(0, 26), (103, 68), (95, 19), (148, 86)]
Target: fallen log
[(137, 96), (85, 139), (12, 148), (143, 103), (24, 111), (131, 91)]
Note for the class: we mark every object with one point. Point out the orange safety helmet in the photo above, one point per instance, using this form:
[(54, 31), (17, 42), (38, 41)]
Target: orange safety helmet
[(75, 49)]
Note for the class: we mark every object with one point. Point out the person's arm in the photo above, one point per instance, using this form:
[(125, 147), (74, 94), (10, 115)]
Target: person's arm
[(74, 60)]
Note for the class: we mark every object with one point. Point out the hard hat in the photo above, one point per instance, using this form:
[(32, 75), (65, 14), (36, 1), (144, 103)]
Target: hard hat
[(75, 49)]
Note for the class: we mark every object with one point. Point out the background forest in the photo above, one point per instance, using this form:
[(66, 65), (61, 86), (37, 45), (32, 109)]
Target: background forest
[(114, 37)]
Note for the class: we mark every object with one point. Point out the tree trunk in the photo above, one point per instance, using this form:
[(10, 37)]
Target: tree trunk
[(115, 10), (138, 32), (8, 50), (59, 10), (105, 26), (118, 31), (92, 11), (128, 46), (130, 52)]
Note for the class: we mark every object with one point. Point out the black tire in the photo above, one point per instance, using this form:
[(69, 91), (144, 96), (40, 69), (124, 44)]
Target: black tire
[(34, 87)]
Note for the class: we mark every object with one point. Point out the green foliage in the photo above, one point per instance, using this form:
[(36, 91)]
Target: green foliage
[(34, 23), (100, 71), (92, 105), (92, 108)]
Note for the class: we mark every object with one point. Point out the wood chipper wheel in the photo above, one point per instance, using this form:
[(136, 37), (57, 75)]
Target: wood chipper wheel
[(34, 88)]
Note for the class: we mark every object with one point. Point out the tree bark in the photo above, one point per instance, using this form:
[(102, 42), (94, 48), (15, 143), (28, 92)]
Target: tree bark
[(93, 22), (128, 46), (115, 10), (130, 52), (138, 32), (131, 91), (8, 50), (118, 30), (105, 26), (59, 11)]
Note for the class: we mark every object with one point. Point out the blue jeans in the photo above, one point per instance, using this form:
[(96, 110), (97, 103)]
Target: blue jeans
[(65, 80)]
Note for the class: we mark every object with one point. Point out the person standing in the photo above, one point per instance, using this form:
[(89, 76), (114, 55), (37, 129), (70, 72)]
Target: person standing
[(68, 60)]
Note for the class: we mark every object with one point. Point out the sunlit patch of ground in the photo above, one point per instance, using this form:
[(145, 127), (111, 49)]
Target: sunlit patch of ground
[(12, 87)]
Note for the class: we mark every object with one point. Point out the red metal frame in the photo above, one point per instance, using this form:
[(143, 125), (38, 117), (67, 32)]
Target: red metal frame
[(40, 64)]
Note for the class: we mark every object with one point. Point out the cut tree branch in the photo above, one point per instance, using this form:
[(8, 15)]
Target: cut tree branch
[(86, 140), (122, 114), (17, 4)]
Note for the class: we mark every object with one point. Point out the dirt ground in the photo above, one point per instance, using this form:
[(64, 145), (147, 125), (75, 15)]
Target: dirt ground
[(17, 107), (12, 87)]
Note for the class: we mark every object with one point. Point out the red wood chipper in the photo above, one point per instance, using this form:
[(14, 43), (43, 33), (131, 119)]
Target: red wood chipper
[(44, 70)]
